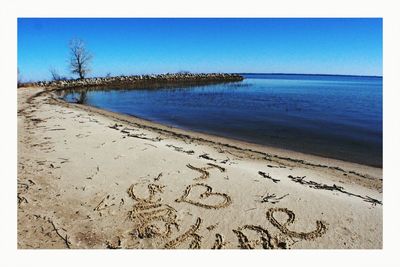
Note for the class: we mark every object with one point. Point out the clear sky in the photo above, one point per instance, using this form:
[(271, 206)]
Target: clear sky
[(142, 46)]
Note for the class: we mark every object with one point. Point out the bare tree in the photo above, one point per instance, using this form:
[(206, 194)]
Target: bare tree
[(19, 78), (54, 74), (80, 58)]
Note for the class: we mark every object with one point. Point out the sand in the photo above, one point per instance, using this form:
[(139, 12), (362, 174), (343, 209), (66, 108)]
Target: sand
[(88, 178)]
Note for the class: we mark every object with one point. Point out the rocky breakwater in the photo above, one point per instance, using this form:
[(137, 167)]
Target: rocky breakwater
[(143, 80)]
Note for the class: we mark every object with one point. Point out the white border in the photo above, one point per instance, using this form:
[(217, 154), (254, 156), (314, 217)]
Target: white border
[(10, 11)]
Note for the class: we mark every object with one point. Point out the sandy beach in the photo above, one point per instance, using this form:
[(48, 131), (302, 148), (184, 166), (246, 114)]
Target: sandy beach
[(89, 178)]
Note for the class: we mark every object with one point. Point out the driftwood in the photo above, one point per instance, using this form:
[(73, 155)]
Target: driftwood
[(263, 174), (158, 176), (156, 139), (57, 129), (65, 238), (115, 126), (180, 149), (101, 202), (315, 185), (271, 198), (205, 156)]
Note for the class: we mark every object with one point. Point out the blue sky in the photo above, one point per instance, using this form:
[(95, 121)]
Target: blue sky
[(141, 46)]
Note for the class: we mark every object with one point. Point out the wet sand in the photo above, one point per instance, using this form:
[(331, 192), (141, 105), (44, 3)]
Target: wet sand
[(89, 178)]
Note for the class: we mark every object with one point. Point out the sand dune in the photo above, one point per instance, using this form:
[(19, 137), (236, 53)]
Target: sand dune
[(93, 179)]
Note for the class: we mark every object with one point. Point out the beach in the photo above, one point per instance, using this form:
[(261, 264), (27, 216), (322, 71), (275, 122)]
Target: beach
[(89, 178)]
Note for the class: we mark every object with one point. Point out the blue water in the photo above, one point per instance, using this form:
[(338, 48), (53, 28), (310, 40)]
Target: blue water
[(334, 116)]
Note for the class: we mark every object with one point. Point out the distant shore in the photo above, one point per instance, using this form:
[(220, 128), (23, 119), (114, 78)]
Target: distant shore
[(134, 81), (89, 178)]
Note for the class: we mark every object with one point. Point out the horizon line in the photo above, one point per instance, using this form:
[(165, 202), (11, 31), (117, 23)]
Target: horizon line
[(311, 74)]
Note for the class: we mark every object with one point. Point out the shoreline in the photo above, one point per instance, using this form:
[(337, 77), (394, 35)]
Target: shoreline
[(276, 149), (90, 178), (264, 150)]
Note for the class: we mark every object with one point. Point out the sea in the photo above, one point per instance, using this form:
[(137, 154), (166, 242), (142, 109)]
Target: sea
[(332, 116)]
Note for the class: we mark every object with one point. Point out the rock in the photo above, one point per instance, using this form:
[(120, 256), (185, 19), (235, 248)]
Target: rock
[(143, 80)]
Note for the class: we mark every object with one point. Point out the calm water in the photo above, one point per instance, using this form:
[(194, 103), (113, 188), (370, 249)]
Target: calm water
[(334, 116)]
